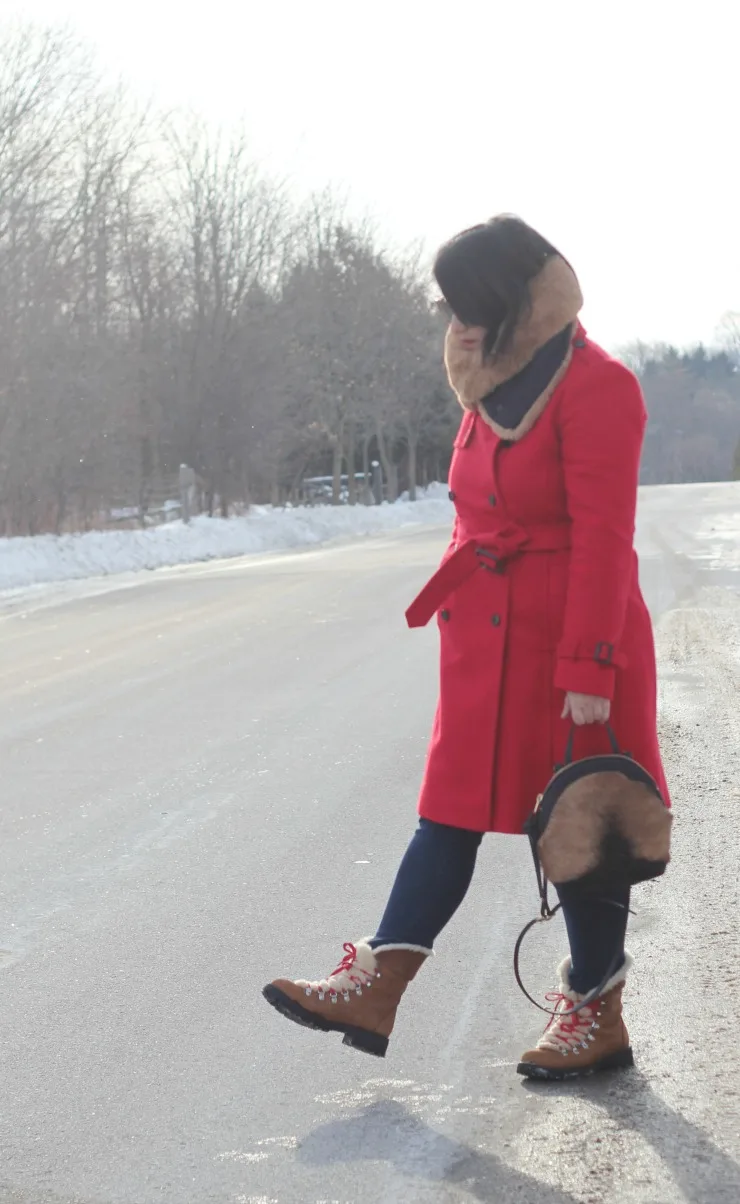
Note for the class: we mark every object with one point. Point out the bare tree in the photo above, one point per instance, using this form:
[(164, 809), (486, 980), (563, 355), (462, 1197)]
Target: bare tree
[(161, 302), (229, 229), (728, 334)]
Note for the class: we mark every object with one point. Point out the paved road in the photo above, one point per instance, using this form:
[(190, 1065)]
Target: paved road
[(208, 778)]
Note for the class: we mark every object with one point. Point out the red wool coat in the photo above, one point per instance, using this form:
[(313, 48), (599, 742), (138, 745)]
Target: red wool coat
[(538, 594)]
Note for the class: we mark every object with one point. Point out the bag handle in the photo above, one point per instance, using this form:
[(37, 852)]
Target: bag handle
[(568, 758)]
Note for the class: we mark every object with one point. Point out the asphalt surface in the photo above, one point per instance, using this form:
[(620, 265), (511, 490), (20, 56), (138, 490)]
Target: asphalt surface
[(209, 776)]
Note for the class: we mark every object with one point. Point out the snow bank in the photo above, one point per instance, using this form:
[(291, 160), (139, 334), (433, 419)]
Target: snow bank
[(46, 558)]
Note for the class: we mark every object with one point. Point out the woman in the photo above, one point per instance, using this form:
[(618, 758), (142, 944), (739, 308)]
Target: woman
[(542, 626)]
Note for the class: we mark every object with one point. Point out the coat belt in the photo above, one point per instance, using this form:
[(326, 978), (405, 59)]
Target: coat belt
[(489, 553)]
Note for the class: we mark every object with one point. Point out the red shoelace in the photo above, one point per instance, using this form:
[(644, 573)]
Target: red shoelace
[(564, 1029), (348, 961)]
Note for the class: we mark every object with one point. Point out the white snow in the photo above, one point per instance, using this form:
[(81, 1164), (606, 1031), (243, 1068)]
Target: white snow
[(30, 564), (41, 559)]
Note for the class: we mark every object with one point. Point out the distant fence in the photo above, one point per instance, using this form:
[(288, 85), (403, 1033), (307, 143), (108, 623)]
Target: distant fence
[(319, 491), (175, 498), (183, 496)]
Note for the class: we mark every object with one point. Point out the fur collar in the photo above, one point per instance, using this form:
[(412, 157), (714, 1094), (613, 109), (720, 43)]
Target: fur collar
[(556, 300)]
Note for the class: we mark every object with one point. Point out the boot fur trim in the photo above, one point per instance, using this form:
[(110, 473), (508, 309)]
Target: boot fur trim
[(364, 964), (365, 959), (407, 948), (616, 979)]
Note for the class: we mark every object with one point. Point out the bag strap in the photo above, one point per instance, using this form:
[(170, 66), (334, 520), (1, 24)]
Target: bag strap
[(592, 995), (542, 883)]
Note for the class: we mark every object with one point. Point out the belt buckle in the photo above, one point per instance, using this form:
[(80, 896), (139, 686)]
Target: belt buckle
[(484, 554)]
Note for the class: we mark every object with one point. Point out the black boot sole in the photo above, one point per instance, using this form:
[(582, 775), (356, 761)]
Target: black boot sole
[(619, 1060), (357, 1038)]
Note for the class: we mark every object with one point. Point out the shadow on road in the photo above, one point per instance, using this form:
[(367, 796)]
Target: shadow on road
[(701, 1170), (387, 1132)]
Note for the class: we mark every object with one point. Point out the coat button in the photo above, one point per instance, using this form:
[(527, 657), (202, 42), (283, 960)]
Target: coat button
[(579, 343), (493, 499), (496, 620), (452, 495), (444, 615)]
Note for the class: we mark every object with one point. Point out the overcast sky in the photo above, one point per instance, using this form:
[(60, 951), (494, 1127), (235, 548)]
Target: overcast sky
[(613, 127)]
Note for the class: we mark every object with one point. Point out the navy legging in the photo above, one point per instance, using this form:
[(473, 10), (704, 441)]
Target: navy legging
[(432, 882)]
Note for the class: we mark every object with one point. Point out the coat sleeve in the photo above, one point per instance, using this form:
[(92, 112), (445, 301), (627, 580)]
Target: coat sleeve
[(602, 425)]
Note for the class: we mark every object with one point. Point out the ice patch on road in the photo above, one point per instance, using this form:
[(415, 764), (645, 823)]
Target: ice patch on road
[(721, 535), (41, 559), (259, 1155)]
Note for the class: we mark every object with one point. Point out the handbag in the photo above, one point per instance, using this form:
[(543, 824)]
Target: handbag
[(601, 823)]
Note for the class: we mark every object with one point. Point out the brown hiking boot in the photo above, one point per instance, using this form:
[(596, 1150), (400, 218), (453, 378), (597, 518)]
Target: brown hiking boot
[(358, 999), (593, 1039)]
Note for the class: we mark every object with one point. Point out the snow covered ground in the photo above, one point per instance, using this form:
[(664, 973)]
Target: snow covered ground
[(43, 559), (36, 564)]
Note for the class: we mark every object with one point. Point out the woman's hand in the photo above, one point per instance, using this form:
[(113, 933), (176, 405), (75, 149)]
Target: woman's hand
[(586, 708)]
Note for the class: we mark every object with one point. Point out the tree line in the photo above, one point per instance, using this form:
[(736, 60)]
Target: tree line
[(165, 301), (693, 401)]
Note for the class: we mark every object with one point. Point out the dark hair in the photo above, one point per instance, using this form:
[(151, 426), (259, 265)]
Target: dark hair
[(484, 275)]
